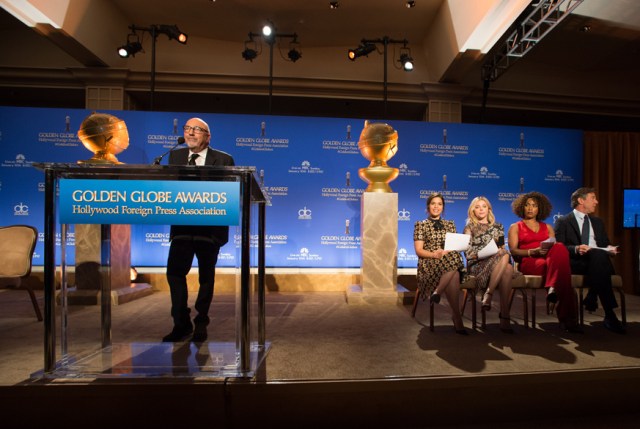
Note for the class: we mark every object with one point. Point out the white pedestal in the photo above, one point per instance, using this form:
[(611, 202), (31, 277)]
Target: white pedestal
[(379, 245)]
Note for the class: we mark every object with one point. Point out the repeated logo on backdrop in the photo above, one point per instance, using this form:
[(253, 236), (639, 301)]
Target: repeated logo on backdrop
[(309, 169)]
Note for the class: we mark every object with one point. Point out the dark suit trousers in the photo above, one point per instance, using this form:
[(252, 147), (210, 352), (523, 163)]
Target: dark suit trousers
[(596, 266), (181, 253)]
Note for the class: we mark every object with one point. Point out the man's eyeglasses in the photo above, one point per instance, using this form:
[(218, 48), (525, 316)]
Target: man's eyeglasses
[(196, 129)]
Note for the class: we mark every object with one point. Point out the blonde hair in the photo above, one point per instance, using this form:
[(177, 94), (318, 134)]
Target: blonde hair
[(472, 219)]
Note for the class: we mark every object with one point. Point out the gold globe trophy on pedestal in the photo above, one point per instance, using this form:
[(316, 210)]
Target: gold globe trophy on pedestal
[(105, 136), (378, 143)]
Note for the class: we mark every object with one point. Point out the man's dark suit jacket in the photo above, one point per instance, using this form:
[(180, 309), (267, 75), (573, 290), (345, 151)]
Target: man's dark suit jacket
[(219, 234), (568, 232)]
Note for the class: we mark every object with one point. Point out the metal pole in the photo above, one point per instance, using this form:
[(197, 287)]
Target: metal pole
[(270, 76), (245, 273), (385, 42), (105, 284), (49, 271), (261, 275), (153, 66)]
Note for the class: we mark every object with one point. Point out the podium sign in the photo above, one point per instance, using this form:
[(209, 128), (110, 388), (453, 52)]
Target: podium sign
[(150, 202)]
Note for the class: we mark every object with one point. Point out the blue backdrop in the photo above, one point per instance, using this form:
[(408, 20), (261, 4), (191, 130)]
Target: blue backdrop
[(309, 167)]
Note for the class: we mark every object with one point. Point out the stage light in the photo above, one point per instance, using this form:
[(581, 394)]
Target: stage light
[(410, 4), (129, 49), (173, 32), (268, 33), (249, 54), (407, 62), (334, 5), (294, 55), (134, 45), (362, 50), (269, 36)]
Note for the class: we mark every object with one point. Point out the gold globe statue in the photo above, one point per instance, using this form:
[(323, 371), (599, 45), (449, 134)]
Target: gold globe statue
[(378, 143), (105, 136)]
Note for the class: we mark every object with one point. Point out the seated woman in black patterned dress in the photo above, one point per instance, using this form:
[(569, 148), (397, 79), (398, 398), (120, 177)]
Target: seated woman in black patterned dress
[(438, 269), (492, 272)]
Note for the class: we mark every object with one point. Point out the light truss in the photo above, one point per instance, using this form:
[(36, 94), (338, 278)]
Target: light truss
[(544, 16)]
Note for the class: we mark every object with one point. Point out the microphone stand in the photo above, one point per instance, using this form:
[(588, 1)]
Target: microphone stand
[(158, 159)]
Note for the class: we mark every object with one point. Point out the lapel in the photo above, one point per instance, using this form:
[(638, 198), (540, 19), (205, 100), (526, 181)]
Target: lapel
[(211, 158), (574, 224)]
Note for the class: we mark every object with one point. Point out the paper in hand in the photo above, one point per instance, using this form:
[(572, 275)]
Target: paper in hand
[(489, 250), (454, 241), (548, 243)]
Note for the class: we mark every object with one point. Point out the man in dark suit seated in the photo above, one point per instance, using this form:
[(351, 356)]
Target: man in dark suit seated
[(590, 251), (203, 242)]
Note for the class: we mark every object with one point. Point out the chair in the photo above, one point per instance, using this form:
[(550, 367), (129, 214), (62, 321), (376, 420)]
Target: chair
[(577, 280), (17, 243), (523, 284), (468, 292)]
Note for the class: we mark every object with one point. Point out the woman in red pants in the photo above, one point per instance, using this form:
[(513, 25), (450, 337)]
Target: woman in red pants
[(528, 244)]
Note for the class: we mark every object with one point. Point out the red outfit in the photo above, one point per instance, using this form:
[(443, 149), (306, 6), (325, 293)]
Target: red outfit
[(554, 267)]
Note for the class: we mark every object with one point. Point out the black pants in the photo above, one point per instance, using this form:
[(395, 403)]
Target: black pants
[(597, 269), (181, 253)]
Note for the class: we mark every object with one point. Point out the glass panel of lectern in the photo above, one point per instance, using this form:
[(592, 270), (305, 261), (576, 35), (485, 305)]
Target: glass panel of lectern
[(99, 345)]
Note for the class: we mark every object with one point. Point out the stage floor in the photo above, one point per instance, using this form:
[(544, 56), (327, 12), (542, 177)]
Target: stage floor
[(329, 364), (318, 336)]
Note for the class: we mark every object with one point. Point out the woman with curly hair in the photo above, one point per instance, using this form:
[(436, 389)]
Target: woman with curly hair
[(550, 262), (493, 272), (438, 269)]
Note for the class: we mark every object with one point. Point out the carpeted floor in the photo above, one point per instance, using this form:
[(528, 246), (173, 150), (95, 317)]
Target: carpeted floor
[(330, 364), (318, 336)]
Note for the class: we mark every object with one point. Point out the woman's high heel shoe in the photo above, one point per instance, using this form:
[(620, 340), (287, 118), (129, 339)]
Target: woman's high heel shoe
[(486, 301), (460, 330), (435, 298)]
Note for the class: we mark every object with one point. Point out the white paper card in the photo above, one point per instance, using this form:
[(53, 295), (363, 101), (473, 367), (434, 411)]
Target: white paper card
[(489, 250), (454, 241), (548, 243)]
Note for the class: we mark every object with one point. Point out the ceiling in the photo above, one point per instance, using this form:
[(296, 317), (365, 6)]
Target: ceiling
[(593, 55)]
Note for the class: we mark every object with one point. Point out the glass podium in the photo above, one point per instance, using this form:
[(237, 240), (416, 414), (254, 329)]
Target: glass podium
[(99, 356)]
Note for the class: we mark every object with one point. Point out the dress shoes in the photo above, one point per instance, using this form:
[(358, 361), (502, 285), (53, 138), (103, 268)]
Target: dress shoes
[(200, 333), (435, 298), (614, 325), (178, 333)]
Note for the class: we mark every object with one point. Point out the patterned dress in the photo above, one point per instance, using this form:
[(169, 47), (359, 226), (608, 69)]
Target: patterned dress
[(431, 269), (481, 235)]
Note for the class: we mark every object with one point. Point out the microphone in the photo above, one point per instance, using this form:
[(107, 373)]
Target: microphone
[(159, 158)]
